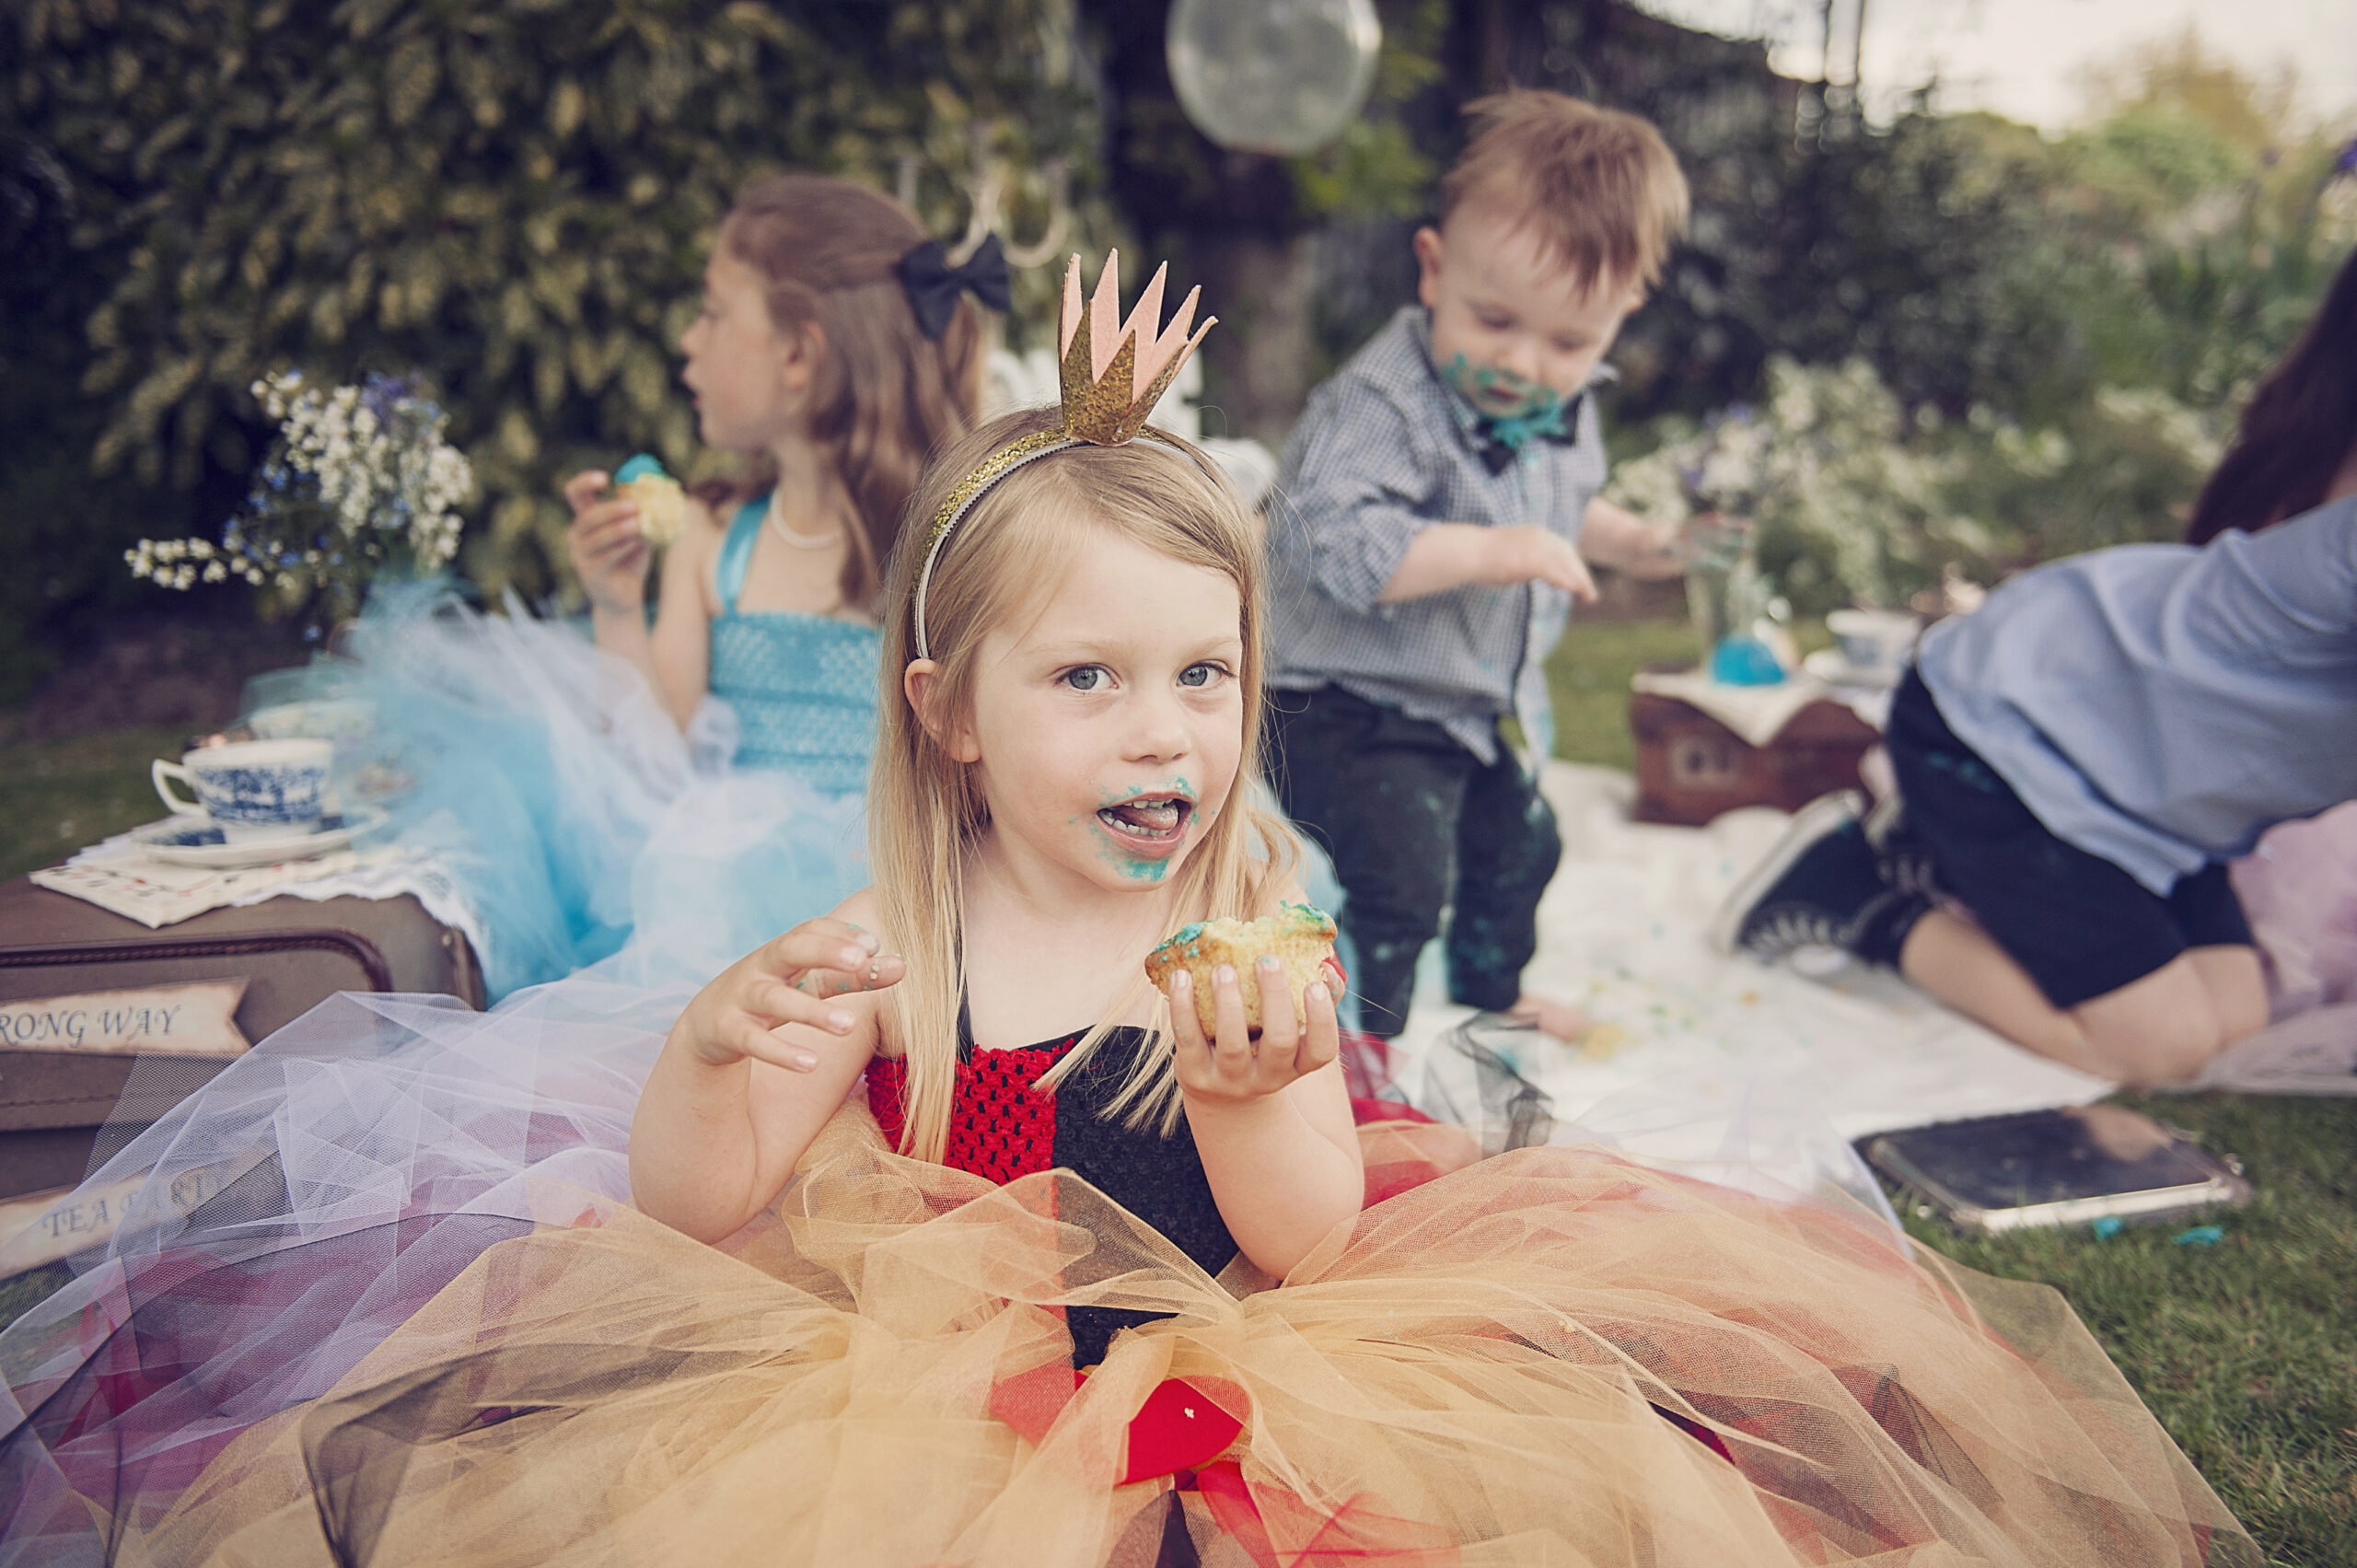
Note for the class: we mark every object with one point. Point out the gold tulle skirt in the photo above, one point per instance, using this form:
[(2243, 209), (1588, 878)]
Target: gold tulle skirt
[(1551, 1357)]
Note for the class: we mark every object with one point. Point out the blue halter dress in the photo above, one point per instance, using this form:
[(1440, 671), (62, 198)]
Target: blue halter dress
[(803, 687), (747, 850)]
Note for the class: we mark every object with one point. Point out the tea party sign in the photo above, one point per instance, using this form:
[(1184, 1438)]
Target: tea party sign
[(165, 1020), (42, 1227)]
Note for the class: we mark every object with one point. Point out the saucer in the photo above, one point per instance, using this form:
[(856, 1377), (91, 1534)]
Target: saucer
[(1828, 665), (197, 841)]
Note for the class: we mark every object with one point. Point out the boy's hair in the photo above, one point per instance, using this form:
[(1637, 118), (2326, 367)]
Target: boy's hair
[(887, 397), (925, 809), (1600, 187)]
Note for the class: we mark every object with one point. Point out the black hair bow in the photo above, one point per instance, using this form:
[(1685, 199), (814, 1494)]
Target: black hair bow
[(934, 284)]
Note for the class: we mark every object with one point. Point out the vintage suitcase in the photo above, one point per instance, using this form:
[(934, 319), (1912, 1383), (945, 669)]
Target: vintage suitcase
[(1691, 767), (291, 953)]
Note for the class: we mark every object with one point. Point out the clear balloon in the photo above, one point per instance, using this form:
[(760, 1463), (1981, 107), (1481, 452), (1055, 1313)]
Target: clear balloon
[(1272, 76)]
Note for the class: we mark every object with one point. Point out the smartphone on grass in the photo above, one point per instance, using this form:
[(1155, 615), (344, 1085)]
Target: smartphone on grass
[(2071, 1165)]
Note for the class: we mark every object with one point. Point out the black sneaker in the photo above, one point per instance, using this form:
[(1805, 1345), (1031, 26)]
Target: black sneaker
[(1815, 888)]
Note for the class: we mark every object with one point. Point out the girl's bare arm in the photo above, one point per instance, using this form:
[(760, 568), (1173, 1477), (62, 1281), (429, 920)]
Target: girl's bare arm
[(1270, 1116), (610, 558), (682, 642), (756, 1066)]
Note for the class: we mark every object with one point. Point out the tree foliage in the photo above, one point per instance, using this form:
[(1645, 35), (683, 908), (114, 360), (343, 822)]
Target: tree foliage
[(511, 198)]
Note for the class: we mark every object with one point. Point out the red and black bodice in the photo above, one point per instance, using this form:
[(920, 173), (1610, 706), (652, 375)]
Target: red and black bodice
[(1001, 1128)]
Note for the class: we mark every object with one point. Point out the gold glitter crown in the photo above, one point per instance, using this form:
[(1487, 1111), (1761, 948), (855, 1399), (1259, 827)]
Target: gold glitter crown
[(1104, 360)]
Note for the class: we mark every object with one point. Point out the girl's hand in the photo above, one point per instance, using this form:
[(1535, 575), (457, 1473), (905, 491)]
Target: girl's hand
[(608, 555), (1236, 1068), (789, 981)]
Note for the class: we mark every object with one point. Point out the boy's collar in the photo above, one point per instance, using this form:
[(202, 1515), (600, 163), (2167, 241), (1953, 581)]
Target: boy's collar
[(1470, 430)]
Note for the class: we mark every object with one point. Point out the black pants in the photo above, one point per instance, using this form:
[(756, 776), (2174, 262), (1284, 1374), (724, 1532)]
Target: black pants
[(2079, 926), (1415, 824)]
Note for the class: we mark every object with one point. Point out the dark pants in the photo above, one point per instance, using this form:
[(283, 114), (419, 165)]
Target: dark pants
[(1415, 823), (2079, 926)]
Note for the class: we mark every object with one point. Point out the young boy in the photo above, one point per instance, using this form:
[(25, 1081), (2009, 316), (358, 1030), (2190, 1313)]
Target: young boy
[(1437, 499), (2077, 762)]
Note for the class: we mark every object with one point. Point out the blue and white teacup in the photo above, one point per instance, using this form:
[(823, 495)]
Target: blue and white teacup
[(251, 789)]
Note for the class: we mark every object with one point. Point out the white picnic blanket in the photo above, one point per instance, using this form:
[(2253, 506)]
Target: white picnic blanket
[(1620, 934), (1758, 714)]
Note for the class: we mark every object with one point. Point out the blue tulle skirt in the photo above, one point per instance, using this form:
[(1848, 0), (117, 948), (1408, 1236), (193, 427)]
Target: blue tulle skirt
[(567, 805)]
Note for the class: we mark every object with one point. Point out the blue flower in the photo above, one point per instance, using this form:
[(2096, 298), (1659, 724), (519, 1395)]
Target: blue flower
[(383, 395)]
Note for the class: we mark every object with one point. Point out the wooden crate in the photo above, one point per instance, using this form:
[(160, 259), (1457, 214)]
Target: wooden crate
[(1691, 767)]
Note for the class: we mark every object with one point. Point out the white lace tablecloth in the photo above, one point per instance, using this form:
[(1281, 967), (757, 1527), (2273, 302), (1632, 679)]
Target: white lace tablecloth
[(1758, 714), (120, 876)]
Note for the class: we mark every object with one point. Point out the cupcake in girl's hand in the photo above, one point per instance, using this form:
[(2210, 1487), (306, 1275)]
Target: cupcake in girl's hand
[(662, 505), (1300, 936)]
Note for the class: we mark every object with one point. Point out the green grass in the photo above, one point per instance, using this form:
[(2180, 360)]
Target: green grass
[(62, 795), (1589, 676), (2246, 1351), (20, 1294)]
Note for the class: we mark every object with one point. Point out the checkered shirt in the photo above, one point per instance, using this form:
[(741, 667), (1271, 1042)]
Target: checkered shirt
[(1383, 449)]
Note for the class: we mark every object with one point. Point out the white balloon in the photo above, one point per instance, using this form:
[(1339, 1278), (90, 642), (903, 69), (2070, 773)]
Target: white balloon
[(1272, 76)]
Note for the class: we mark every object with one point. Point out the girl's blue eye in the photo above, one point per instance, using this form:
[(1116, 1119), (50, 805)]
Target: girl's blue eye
[(1199, 675), (1087, 678)]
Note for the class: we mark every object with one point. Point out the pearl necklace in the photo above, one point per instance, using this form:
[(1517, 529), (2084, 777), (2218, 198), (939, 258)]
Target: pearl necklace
[(794, 540)]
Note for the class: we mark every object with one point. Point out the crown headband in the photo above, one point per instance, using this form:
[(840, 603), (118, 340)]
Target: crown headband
[(1102, 365)]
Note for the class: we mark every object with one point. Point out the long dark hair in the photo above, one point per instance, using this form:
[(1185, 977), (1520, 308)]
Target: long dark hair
[(887, 395), (2297, 429)]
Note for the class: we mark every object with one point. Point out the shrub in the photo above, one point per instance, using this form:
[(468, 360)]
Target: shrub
[(1860, 501), (508, 198)]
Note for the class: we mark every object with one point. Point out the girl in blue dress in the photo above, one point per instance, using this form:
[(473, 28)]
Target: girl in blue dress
[(695, 778)]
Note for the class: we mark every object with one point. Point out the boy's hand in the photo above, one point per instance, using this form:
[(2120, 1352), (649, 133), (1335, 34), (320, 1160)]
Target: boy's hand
[(787, 980), (608, 555), (1529, 553), (1238, 1068)]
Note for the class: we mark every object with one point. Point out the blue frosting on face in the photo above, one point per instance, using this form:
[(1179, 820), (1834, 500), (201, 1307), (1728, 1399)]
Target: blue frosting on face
[(638, 467)]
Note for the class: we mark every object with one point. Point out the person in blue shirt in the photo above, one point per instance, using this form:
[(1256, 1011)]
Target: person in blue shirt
[(2077, 762)]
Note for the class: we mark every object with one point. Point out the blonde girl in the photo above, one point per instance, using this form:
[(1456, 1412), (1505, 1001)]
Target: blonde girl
[(1059, 786)]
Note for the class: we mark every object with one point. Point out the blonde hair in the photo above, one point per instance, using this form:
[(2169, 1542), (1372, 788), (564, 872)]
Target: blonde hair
[(887, 397), (1600, 187), (925, 809)]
